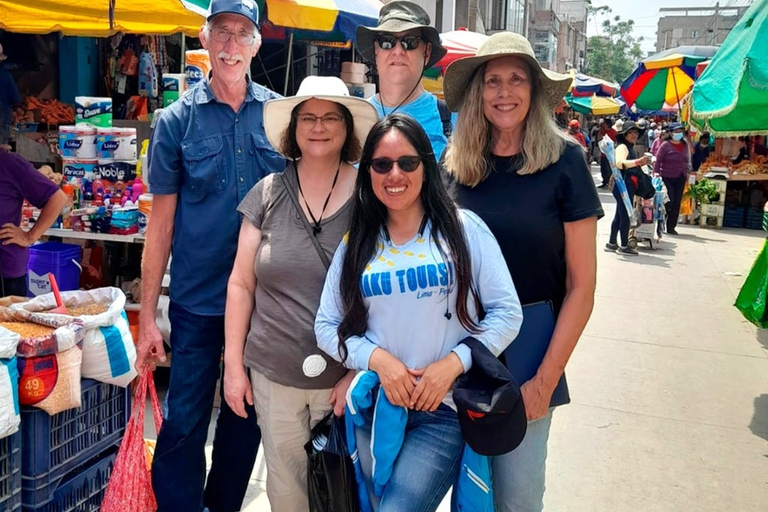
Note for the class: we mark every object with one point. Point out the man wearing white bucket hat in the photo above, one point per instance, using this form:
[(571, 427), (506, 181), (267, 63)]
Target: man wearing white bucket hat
[(9, 96), (207, 150)]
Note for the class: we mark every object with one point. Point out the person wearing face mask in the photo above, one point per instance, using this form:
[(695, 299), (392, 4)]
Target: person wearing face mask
[(402, 45), (206, 152), (673, 161)]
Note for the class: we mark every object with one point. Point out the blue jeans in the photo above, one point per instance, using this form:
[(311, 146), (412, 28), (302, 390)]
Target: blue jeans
[(518, 476), (178, 468), (426, 467)]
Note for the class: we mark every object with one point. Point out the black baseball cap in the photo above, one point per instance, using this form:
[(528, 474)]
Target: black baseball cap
[(489, 403), (246, 8)]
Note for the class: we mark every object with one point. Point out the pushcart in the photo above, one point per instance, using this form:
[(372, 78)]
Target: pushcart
[(651, 215)]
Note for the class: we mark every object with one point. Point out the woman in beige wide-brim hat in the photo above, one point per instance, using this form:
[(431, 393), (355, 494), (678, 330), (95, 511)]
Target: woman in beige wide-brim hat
[(293, 222), (530, 183)]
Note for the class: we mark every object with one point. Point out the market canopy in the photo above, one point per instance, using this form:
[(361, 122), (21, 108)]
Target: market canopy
[(595, 105), (585, 85), (340, 17), (459, 44), (731, 97), (92, 17), (664, 78)]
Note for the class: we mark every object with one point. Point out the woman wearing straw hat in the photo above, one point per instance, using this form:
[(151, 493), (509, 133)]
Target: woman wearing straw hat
[(294, 222), (530, 183)]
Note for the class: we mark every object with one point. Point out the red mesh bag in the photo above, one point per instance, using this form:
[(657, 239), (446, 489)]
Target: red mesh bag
[(130, 486)]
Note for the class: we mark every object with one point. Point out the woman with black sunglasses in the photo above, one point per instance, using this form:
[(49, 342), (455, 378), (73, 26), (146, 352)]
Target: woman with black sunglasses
[(402, 292)]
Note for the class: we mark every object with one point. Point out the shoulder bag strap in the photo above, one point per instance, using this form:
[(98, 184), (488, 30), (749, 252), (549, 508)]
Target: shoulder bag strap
[(315, 241)]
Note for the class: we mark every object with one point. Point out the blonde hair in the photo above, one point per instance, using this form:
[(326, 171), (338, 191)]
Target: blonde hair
[(467, 156)]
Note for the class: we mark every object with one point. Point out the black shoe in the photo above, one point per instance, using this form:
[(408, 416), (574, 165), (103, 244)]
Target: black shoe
[(627, 251), (611, 247), (672, 232)]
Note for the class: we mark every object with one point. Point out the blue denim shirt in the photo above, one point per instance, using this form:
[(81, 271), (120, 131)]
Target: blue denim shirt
[(210, 156)]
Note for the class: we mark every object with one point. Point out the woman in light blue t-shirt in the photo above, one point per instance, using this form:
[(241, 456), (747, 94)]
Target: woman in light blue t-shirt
[(404, 289)]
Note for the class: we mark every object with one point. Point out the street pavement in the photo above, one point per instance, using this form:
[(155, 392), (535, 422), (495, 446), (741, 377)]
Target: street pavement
[(669, 386)]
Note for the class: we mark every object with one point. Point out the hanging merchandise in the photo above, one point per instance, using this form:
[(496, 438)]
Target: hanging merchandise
[(147, 76)]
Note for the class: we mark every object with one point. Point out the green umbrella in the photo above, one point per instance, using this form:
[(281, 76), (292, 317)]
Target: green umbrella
[(595, 105), (731, 96)]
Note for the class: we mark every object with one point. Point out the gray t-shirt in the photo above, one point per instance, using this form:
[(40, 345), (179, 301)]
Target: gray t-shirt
[(281, 342)]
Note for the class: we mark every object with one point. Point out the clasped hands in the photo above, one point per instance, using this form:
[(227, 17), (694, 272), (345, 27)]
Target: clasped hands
[(421, 390)]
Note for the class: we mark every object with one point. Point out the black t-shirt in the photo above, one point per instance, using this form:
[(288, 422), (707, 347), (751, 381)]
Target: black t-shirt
[(526, 214)]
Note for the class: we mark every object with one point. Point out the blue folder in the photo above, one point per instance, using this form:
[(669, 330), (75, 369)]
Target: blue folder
[(524, 355)]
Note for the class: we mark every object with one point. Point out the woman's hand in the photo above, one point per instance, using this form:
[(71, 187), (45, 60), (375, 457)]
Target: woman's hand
[(13, 234), (536, 396), (397, 382), (643, 160), (435, 382), (237, 389), (339, 394)]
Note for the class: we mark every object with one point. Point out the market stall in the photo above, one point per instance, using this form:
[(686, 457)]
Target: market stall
[(729, 101)]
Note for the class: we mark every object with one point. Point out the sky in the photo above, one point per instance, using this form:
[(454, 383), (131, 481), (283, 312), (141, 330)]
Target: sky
[(645, 13)]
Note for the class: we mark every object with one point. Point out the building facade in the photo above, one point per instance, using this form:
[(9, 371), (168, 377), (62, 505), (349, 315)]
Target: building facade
[(696, 26)]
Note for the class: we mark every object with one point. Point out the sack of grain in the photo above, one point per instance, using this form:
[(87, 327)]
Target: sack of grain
[(9, 340), (51, 382), (109, 353), (9, 397), (42, 335)]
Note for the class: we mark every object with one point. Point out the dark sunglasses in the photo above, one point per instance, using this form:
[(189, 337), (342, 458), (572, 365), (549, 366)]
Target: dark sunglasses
[(405, 163), (388, 42)]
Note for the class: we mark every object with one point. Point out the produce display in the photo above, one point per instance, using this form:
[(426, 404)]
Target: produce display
[(34, 110), (757, 165)]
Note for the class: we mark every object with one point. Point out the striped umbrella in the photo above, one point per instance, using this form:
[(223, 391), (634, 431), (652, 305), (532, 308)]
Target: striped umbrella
[(335, 18), (595, 105), (664, 78), (585, 85)]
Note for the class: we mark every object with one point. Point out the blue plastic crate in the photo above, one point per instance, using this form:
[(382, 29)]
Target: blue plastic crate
[(10, 473), (81, 490), (54, 445)]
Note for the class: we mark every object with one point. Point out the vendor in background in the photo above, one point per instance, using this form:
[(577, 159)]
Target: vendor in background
[(574, 130), (9, 97), (673, 161), (605, 166), (743, 151), (402, 45), (700, 151), (207, 151), (20, 181), (275, 286)]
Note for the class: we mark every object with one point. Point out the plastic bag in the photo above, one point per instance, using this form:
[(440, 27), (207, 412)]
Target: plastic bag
[(130, 486), (752, 297), (330, 473), (109, 353), (9, 397)]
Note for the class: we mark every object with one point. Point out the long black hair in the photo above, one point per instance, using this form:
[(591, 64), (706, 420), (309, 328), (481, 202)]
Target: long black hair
[(369, 215)]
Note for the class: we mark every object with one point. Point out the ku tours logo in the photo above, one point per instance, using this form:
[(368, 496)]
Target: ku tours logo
[(425, 280)]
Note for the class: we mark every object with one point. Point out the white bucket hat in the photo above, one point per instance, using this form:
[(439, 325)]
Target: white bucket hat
[(277, 113)]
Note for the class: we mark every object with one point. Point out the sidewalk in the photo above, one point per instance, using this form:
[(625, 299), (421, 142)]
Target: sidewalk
[(669, 386)]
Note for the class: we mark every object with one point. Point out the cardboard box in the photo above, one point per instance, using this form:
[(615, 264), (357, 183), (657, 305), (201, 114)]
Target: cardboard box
[(353, 67), (353, 78)]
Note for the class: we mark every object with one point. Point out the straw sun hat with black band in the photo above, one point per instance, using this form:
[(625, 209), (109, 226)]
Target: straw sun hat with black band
[(503, 44), (400, 16)]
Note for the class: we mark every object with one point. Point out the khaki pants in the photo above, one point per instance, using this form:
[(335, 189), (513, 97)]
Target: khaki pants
[(286, 415)]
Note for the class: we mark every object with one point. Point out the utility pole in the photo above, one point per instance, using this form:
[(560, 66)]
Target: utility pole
[(713, 42), (472, 15)]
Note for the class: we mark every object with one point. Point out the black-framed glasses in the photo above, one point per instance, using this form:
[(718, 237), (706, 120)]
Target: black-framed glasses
[(405, 163), (223, 35), (388, 42)]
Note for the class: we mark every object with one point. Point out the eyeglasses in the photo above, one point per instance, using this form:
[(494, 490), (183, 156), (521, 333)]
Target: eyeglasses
[(223, 35), (405, 163), (328, 120), (388, 42)]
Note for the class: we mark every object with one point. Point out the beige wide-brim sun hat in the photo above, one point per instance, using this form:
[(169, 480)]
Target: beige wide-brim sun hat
[(502, 44), (277, 113)]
